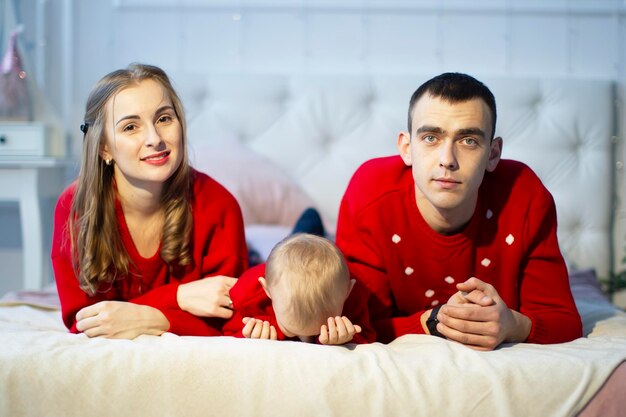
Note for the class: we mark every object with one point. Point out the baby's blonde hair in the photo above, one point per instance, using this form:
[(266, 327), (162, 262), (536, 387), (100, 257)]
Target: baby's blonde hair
[(315, 274)]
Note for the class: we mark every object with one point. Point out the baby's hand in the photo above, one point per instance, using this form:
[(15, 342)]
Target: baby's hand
[(258, 329), (340, 330)]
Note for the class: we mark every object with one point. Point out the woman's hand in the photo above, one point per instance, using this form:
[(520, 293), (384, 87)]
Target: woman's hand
[(120, 320), (207, 297)]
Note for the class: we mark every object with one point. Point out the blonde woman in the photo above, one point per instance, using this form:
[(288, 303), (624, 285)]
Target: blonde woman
[(143, 244)]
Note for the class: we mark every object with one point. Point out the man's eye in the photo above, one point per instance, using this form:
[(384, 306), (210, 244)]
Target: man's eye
[(429, 139), (470, 141)]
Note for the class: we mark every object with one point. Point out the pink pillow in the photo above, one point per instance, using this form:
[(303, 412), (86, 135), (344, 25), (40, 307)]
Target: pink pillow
[(265, 193)]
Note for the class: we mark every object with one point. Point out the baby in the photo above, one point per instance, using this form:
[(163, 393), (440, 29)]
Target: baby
[(303, 292)]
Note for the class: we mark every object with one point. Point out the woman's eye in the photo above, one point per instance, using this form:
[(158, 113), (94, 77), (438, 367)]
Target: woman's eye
[(166, 118), (129, 128)]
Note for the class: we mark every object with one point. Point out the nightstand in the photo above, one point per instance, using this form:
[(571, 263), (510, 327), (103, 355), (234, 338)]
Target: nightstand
[(23, 139), (32, 179)]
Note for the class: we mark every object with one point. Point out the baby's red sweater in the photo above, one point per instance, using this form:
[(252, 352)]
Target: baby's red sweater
[(510, 242), (217, 246), (250, 300)]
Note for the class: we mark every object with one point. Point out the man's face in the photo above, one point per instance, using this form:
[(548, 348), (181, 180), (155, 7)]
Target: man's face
[(449, 149)]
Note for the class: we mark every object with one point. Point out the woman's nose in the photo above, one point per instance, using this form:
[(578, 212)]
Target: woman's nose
[(153, 136)]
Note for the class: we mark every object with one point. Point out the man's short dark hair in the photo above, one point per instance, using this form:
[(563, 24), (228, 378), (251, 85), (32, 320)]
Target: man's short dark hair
[(455, 87)]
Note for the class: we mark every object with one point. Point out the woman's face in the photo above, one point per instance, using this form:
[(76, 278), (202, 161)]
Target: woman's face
[(143, 136)]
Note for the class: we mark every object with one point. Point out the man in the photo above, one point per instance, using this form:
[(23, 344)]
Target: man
[(449, 239)]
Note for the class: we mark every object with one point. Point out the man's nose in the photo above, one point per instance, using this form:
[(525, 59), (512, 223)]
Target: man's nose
[(447, 157)]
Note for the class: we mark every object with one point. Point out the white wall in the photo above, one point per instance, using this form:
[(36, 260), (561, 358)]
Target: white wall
[(79, 41)]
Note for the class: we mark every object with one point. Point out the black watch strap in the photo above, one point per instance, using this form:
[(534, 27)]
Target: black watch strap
[(432, 321)]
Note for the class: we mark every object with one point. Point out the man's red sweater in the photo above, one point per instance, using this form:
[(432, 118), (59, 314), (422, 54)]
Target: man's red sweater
[(250, 300), (510, 243), (218, 247)]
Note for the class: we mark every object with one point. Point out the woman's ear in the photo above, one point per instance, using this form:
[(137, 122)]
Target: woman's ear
[(104, 152), (495, 152), (263, 283), (404, 147)]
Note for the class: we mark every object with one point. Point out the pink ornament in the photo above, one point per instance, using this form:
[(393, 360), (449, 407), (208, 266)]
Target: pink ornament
[(14, 97)]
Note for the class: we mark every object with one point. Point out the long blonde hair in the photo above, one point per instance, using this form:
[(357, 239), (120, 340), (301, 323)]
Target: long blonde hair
[(98, 253)]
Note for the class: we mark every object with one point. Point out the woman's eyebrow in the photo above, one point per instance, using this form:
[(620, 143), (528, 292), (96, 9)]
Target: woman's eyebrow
[(131, 117), (163, 108), (134, 116)]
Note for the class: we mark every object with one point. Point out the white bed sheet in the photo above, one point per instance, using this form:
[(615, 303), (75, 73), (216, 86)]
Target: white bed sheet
[(45, 371)]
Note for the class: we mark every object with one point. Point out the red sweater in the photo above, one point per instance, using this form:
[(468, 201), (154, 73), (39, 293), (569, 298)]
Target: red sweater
[(249, 300), (510, 242), (217, 245)]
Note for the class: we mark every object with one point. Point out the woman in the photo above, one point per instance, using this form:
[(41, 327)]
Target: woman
[(139, 231)]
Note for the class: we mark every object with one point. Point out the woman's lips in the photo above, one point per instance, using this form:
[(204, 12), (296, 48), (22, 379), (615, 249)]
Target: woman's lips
[(159, 158)]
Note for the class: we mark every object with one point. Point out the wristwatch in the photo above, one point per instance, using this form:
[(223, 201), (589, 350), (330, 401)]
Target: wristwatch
[(432, 321)]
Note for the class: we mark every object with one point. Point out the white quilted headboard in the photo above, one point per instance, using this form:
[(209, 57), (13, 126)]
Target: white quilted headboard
[(316, 130)]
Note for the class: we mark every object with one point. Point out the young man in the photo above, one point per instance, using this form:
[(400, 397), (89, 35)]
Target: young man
[(449, 239)]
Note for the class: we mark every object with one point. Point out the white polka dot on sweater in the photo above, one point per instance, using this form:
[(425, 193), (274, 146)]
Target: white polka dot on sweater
[(434, 303), (395, 238), (489, 214), (509, 239), (485, 262), (449, 280), (408, 270), (429, 293)]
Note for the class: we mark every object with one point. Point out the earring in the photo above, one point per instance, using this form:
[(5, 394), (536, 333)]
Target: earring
[(108, 161)]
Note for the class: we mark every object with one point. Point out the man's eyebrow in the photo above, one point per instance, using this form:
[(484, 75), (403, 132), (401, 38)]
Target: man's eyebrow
[(429, 129), (471, 131)]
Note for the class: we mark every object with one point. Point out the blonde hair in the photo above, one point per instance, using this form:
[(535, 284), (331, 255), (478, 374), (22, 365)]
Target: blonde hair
[(315, 273), (98, 253)]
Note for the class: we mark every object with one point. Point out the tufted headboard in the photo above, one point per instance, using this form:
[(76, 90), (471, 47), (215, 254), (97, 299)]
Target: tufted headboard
[(309, 133)]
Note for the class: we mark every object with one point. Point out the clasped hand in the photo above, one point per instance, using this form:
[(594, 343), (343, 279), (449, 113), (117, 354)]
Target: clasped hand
[(477, 317)]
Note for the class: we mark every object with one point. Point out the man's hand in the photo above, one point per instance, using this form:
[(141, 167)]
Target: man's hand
[(339, 330), (258, 329), (207, 297), (120, 320), (477, 317)]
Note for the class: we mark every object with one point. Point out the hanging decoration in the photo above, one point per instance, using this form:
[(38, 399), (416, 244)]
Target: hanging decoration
[(14, 98)]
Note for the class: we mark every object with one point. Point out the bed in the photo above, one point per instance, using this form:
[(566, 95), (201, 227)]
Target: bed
[(282, 143)]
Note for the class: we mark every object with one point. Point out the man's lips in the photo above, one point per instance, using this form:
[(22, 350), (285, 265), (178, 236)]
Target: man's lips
[(446, 183), (448, 180)]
